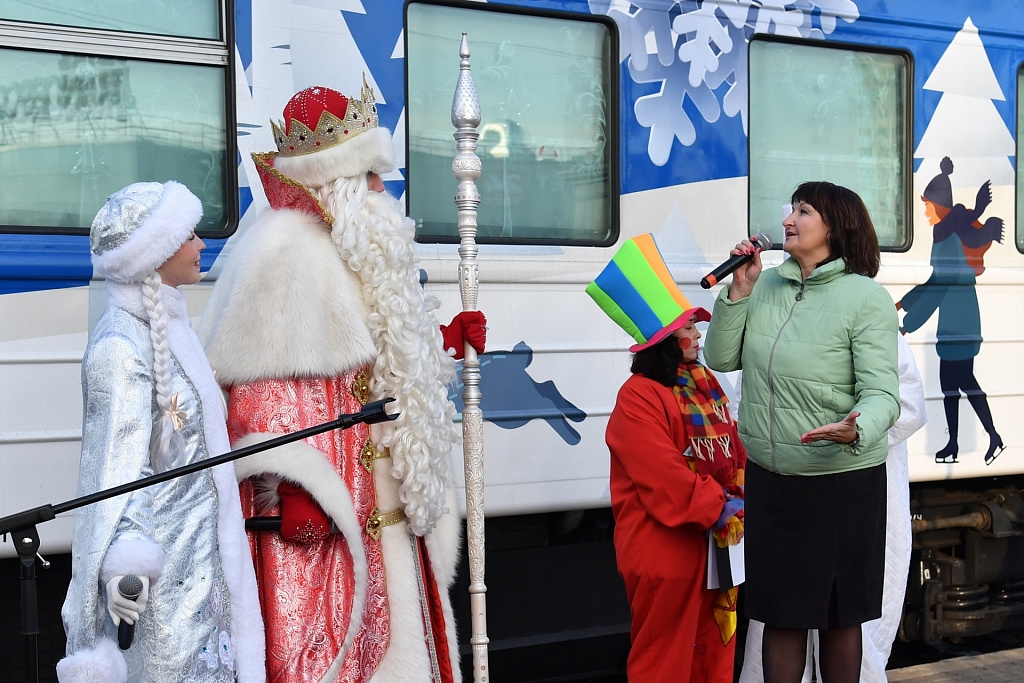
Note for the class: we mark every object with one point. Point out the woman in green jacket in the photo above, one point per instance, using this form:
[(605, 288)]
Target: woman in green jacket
[(816, 339)]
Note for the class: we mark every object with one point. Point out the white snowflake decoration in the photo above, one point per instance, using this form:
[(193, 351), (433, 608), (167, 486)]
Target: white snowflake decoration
[(692, 47)]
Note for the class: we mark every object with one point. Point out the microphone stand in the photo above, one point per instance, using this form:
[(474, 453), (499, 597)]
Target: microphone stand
[(22, 525)]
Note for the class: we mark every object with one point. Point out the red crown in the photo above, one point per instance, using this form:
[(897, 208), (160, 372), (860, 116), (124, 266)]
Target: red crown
[(317, 118)]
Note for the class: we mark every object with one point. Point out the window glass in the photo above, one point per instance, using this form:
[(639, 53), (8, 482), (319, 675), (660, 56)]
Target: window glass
[(191, 18), (827, 113), (1020, 150), (547, 137), (74, 129)]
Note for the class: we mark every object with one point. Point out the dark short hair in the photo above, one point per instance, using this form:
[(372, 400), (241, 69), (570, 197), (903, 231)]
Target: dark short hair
[(660, 362), (851, 232)]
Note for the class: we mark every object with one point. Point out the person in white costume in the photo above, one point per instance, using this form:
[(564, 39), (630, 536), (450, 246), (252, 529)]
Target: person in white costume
[(152, 404), (878, 635)]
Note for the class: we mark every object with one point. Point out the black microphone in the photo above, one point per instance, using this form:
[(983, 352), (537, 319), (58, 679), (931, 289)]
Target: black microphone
[(760, 242), (130, 587)]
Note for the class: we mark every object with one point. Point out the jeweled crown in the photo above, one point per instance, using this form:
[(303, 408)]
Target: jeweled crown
[(318, 118)]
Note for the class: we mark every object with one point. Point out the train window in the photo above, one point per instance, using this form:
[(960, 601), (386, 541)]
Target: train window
[(192, 18), (1020, 150), (85, 112), (548, 133), (75, 128), (831, 113)]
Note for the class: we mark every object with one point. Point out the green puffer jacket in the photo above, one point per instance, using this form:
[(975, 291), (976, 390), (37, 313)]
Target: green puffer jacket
[(811, 351)]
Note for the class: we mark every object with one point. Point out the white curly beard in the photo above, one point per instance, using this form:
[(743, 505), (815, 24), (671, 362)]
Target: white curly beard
[(373, 236)]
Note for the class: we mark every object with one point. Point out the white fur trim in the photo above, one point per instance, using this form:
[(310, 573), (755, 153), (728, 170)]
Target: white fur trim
[(445, 542), (149, 246), (371, 151), (140, 556), (103, 663), (247, 635), (265, 492), (248, 639), (285, 305), (309, 468), (406, 658), (436, 551)]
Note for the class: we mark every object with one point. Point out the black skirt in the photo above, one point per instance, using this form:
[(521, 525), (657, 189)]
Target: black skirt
[(806, 537)]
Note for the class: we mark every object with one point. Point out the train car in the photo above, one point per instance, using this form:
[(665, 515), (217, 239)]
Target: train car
[(601, 120)]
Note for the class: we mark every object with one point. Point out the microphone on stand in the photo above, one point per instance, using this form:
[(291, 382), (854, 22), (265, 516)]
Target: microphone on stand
[(760, 242), (130, 587)]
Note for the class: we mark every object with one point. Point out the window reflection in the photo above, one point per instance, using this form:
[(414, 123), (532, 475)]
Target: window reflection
[(826, 113), (74, 129), (1020, 150), (187, 18), (544, 86)]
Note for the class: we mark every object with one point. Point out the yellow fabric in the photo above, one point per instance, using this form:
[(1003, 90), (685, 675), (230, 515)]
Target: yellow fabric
[(725, 613), (730, 534)]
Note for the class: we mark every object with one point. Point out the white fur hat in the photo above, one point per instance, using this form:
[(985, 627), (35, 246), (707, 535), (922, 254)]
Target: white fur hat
[(371, 151), (141, 226)]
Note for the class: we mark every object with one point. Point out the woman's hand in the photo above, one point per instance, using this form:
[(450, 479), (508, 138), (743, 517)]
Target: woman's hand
[(744, 277), (729, 527), (839, 432)]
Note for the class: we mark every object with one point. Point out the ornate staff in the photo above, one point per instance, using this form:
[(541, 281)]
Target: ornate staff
[(466, 168)]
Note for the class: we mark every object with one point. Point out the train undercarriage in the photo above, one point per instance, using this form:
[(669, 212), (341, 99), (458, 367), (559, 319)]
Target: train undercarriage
[(967, 567)]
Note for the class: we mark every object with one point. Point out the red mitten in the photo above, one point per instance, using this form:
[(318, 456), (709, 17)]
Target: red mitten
[(302, 520), (467, 326)]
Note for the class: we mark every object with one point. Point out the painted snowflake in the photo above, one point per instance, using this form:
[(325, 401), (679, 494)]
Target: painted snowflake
[(692, 47)]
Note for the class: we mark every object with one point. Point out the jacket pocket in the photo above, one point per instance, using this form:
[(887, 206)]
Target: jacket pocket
[(837, 402), (828, 401)]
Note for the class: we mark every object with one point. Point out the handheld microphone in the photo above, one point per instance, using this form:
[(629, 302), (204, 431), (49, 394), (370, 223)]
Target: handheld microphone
[(761, 242), (130, 587)]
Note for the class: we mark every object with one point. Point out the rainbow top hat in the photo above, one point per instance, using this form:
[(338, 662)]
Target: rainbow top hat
[(637, 292)]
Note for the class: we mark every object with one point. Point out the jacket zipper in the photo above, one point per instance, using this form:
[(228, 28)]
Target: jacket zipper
[(771, 379)]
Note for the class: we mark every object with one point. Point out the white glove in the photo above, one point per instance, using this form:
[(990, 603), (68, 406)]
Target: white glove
[(121, 607)]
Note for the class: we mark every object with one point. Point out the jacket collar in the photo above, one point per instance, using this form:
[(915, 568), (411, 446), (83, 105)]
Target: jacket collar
[(790, 270)]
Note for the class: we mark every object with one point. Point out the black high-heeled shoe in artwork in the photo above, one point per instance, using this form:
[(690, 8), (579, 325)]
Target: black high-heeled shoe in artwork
[(947, 456), (995, 447)]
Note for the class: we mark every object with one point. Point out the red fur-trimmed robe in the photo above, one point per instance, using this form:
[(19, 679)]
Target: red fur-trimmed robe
[(663, 510), (285, 330)]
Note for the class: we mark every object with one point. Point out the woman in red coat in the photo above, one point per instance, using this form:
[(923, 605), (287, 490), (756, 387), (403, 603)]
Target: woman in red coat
[(676, 473)]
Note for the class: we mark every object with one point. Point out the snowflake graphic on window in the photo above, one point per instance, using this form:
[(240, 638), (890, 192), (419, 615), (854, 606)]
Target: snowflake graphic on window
[(692, 47)]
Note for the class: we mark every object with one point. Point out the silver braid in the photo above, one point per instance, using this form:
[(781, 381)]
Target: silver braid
[(164, 428)]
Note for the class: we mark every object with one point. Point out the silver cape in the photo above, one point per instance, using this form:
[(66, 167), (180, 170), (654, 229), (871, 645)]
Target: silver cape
[(185, 632)]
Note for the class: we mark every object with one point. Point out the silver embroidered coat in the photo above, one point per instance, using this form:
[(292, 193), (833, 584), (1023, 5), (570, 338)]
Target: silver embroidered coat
[(202, 621)]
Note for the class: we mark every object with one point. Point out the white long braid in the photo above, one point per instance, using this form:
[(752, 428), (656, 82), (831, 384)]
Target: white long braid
[(374, 238), (163, 432)]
